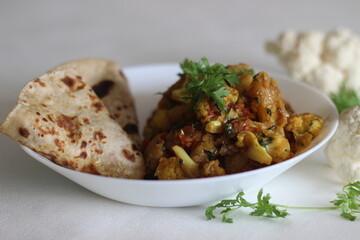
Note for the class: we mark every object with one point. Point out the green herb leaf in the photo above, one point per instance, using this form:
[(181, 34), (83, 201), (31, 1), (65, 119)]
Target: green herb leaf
[(345, 98), (228, 130), (267, 209), (265, 141), (209, 81), (210, 154), (348, 202)]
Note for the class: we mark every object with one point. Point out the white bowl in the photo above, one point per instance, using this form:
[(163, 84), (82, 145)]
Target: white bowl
[(147, 80)]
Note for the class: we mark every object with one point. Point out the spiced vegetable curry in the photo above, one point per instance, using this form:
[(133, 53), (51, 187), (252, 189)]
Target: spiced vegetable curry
[(217, 120)]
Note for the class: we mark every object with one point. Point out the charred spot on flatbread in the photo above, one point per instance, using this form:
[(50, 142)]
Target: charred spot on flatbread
[(68, 81), (135, 147), (131, 128), (99, 136), (90, 168), (82, 155), (66, 122), (51, 156), (73, 83), (99, 151), (128, 155), (86, 121), (24, 132), (60, 144), (103, 88), (69, 164), (83, 144), (50, 117), (98, 106), (96, 103), (41, 83)]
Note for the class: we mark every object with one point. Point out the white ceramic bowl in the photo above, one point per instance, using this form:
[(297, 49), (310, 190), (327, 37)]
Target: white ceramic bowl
[(145, 81)]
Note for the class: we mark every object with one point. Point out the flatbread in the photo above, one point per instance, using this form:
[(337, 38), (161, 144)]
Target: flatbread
[(59, 116), (110, 84)]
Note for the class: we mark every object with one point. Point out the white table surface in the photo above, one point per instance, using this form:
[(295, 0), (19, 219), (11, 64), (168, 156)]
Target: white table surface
[(37, 203)]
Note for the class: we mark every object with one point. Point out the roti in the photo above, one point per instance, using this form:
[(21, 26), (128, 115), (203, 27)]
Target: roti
[(110, 84), (60, 116)]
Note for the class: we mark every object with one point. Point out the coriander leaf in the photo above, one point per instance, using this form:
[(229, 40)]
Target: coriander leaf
[(349, 201), (208, 81), (232, 79), (267, 209), (345, 98), (348, 216), (209, 213), (218, 95)]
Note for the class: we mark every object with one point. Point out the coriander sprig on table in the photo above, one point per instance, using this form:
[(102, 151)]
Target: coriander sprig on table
[(348, 202)]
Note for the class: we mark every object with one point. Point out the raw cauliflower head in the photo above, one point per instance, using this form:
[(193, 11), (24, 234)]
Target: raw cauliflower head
[(323, 60), (343, 150)]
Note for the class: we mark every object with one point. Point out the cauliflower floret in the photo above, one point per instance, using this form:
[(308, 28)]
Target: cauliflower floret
[(326, 78), (301, 63), (353, 78), (340, 46), (278, 147), (343, 150), (304, 128), (319, 59), (301, 53), (206, 110), (285, 43), (254, 151), (311, 41), (170, 169), (232, 97)]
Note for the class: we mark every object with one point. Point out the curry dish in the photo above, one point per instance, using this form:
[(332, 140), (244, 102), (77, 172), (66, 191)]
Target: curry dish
[(217, 120)]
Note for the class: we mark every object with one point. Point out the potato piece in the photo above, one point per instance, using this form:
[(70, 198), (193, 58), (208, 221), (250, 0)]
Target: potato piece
[(205, 150), (266, 101), (160, 121), (153, 153), (235, 162), (238, 67), (180, 114)]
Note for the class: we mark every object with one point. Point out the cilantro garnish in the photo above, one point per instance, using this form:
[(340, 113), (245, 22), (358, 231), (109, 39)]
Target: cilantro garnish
[(345, 98), (209, 81), (348, 202)]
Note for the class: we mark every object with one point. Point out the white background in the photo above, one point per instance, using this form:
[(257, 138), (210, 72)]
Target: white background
[(37, 203)]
